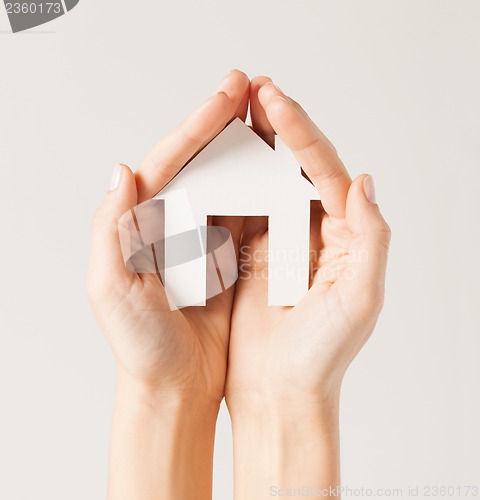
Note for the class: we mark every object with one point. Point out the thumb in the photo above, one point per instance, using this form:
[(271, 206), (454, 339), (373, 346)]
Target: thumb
[(107, 271), (371, 239), (362, 212)]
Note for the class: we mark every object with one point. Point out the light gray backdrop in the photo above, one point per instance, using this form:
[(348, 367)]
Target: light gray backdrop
[(395, 87)]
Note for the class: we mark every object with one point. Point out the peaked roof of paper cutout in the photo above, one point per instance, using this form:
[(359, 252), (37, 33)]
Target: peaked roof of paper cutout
[(240, 173)]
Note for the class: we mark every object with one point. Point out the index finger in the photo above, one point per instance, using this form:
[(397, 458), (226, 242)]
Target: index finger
[(313, 150), (172, 152)]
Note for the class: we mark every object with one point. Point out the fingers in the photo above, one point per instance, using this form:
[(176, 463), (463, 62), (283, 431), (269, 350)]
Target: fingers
[(262, 127), (371, 239), (260, 122), (107, 269), (172, 152), (242, 109), (235, 224), (312, 149)]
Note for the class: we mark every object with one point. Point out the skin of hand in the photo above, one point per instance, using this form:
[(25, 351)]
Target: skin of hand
[(286, 364), (171, 365)]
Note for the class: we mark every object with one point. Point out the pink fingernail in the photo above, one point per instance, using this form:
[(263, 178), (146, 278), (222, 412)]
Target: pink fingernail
[(116, 177), (369, 189)]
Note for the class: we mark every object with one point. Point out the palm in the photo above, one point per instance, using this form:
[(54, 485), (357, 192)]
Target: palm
[(185, 349), (268, 344)]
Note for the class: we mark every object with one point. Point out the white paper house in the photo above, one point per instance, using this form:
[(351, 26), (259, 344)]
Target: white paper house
[(238, 174)]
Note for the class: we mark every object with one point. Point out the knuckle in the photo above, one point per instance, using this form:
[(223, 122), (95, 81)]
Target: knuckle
[(99, 214), (103, 215), (102, 288), (190, 135), (385, 235), (379, 234), (296, 105)]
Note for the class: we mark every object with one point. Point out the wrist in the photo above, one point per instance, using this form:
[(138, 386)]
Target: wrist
[(162, 443), (169, 410), (244, 404), (159, 396), (285, 443), (286, 415)]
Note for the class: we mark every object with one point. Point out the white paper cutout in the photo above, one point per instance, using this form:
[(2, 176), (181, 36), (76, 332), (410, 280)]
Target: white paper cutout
[(144, 240), (238, 174)]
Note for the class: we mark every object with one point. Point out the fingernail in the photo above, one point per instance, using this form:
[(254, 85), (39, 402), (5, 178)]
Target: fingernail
[(116, 177), (369, 189)]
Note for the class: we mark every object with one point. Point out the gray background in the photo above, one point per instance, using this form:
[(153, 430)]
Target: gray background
[(394, 84)]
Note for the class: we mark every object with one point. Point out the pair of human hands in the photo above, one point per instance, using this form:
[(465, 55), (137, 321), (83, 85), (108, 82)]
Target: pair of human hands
[(237, 346), (271, 351)]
